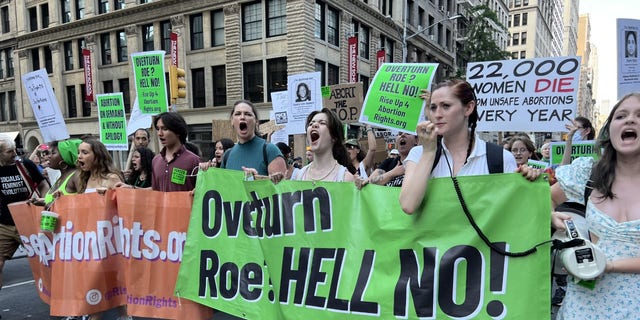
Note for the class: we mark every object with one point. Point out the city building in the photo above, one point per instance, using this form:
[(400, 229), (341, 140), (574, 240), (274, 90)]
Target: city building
[(231, 50), (535, 28)]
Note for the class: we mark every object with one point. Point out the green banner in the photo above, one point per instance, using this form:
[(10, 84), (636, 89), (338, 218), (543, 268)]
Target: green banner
[(537, 164), (113, 123), (393, 99), (579, 149), (151, 86), (299, 250)]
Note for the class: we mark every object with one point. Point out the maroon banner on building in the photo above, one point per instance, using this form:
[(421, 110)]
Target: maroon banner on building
[(174, 48), (88, 78), (353, 59), (380, 55)]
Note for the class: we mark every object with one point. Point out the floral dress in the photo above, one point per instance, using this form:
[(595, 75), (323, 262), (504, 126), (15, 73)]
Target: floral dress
[(616, 295)]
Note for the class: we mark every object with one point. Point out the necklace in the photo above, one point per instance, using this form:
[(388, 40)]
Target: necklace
[(335, 164)]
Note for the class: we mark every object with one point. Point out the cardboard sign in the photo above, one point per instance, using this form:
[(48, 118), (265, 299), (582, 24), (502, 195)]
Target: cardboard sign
[(151, 84), (345, 100)]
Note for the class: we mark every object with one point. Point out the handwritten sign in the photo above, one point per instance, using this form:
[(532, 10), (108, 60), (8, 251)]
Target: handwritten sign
[(151, 85), (345, 100), (45, 106), (393, 100), (113, 129), (525, 95)]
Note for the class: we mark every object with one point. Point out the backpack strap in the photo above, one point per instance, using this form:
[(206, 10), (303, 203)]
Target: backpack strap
[(495, 159), (588, 188)]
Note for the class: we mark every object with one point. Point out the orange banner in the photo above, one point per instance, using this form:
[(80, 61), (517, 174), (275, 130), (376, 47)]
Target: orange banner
[(123, 248)]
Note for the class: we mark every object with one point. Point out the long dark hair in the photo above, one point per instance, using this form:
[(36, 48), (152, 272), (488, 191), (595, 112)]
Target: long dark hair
[(585, 123), (103, 165), (146, 158), (604, 171), (338, 149), (464, 91)]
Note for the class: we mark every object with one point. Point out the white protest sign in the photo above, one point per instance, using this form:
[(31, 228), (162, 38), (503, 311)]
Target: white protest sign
[(305, 96), (45, 106), (628, 62), (525, 95), (137, 119)]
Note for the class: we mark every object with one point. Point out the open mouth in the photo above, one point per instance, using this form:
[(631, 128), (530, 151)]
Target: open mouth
[(243, 126), (81, 164), (629, 135), (314, 136)]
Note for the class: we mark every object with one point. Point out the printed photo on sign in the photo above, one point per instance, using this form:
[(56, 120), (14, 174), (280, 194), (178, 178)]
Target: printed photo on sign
[(628, 62), (525, 95)]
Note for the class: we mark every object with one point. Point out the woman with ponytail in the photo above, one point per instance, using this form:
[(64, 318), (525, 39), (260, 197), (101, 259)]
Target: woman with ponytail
[(453, 116)]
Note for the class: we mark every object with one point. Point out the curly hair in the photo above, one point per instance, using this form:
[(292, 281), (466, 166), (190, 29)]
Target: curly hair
[(146, 159)]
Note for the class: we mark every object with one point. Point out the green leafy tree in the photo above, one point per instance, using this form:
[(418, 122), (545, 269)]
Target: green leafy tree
[(480, 44)]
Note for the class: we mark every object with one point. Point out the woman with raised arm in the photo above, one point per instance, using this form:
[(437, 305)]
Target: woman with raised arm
[(453, 116)]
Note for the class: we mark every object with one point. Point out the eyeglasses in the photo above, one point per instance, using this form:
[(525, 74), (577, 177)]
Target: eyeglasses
[(521, 150)]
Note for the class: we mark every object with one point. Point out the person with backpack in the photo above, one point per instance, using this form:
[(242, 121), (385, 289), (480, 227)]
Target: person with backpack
[(245, 155), (612, 216), (448, 145)]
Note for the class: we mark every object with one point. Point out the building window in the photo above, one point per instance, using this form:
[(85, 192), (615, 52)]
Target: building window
[(253, 82), (120, 4), (44, 12), (365, 83), (86, 106), (219, 85), (68, 55), (514, 55), (4, 15), (71, 102), (387, 44), (523, 38), (197, 80), (35, 59), (122, 46), (386, 7), (123, 84), (217, 28), (333, 74), (105, 46), (81, 45), (107, 86), (147, 37), (276, 17), (516, 20), (333, 27), (523, 54), (323, 74), (515, 39), (518, 3), (319, 20), (165, 34), (11, 101), (276, 76), (79, 9), (2, 63), (3, 105), (525, 18), (362, 33), (197, 35), (103, 6), (525, 2), (33, 19), (9, 56), (252, 21)]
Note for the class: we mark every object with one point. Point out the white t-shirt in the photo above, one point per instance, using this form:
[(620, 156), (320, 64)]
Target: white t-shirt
[(476, 163)]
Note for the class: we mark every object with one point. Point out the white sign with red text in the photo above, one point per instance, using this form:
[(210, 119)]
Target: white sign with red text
[(537, 95)]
